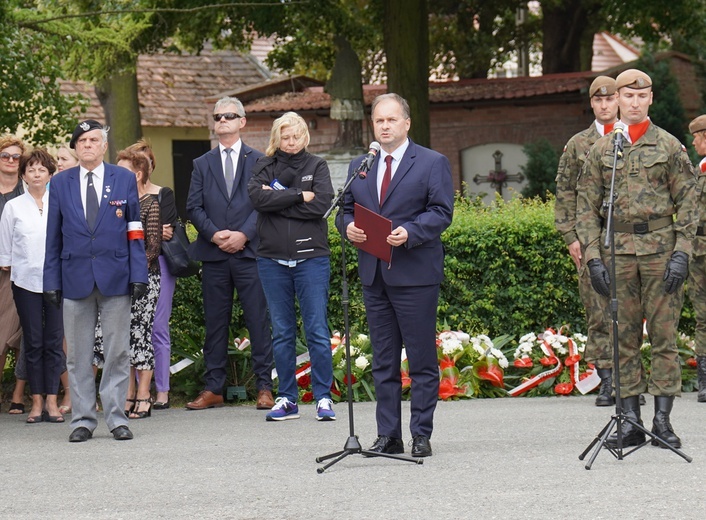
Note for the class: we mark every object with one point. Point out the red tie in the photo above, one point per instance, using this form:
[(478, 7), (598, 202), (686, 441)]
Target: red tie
[(386, 178)]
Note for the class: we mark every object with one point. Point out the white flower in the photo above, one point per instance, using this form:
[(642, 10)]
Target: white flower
[(497, 354), (362, 338), (449, 345), (528, 338), (362, 362)]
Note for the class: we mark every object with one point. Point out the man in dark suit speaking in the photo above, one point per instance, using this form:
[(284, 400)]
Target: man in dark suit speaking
[(219, 207), (95, 259), (412, 186)]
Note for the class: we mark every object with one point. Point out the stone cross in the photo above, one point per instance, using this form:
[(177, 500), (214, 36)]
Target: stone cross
[(499, 177)]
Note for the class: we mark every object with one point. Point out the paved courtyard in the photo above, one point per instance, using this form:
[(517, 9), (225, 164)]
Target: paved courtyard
[(512, 458)]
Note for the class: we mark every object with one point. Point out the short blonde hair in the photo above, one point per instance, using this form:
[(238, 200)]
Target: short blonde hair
[(290, 119)]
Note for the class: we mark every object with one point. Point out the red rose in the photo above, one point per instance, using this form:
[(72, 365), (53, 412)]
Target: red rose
[(353, 379), (307, 397), (691, 362), (304, 381), (563, 388), (335, 390)]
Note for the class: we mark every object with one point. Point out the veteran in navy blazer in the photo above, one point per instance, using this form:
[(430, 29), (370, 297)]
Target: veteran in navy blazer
[(412, 186), (219, 207), (95, 260)]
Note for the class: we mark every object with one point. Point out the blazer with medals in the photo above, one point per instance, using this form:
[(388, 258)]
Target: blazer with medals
[(78, 259)]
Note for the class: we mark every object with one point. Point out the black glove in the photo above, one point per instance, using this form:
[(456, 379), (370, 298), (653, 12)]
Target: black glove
[(53, 297), (676, 272), (600, 279), (138, 290)]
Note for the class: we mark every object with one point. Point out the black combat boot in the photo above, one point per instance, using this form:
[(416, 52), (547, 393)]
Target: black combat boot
[(605, 392), (701, 367), (632, 436), (661, 425)]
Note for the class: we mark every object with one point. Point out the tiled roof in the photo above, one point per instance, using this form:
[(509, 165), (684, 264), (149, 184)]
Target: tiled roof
[(172, 88), (464, 91)]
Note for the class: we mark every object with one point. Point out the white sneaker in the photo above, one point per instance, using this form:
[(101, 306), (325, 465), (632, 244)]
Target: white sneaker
[(324, 411)]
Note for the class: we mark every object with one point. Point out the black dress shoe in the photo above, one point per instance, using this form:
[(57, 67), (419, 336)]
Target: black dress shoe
[(80, 434), (421, 447), (385, 444), (122, 433)]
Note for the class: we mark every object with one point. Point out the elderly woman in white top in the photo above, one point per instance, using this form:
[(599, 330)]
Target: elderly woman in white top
[(22, 244)]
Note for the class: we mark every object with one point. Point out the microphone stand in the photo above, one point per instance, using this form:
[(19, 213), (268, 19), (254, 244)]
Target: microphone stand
[(619, 418), (352, 445)]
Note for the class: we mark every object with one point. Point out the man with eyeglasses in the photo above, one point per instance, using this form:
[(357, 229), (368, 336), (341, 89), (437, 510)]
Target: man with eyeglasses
[(11, 149), (219, 207)]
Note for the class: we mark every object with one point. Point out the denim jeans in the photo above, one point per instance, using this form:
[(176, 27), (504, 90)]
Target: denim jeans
[(308, 281)]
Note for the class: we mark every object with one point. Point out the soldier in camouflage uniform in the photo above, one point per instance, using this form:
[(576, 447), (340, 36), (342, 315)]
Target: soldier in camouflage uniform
[(604, 103), (655, 220), (697, 268)]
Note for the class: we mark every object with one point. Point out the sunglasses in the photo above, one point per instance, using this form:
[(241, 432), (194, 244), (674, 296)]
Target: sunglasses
[(228, 115), (7, 156)]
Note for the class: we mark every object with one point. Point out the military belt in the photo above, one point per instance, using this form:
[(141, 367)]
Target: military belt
[(640, 228), (700, 231)]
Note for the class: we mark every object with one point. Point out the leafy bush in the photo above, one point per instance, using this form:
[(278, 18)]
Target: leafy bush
[(540, 170)]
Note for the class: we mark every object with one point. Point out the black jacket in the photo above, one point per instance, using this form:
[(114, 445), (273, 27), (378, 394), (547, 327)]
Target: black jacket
[(288, 227)]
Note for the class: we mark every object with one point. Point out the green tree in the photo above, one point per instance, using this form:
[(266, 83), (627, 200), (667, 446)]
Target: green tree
[(540, 170)]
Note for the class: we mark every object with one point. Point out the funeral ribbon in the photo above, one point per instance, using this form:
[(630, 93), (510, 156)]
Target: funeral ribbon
[(543, 376)]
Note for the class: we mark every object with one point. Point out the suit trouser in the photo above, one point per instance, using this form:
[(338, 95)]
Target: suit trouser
[(43, 336), (80, 318), (403, 316), (219, 281)]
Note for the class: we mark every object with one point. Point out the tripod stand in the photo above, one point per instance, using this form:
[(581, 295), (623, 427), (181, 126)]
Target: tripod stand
[(619, 418), (352, 445)]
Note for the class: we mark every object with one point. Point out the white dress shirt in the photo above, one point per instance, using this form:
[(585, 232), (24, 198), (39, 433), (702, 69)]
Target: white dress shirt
[(396, 158), (234, 154), (98, 175), (23, 236)]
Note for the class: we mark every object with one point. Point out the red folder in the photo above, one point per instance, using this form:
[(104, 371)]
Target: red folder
[(377, 228)]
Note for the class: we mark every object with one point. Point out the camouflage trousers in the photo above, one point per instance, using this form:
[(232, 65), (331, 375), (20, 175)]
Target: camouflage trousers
[(640, 293), (697, 294), (599, 349)]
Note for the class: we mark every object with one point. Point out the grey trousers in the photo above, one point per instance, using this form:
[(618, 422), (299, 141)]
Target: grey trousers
[(79, 327)]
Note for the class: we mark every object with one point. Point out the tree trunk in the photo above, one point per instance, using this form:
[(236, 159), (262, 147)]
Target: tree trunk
[(406, 39), (564, 25), (118, 96)]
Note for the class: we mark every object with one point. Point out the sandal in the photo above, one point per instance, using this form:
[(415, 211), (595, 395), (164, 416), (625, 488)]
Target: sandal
[(16, 408), (128, 411), (64, 409), (135, 414), (34, 419), (160, 405)]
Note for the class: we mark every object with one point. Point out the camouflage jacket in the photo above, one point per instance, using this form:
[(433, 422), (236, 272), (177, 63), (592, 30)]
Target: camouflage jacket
[(570, 165), (654, 178), (700, 241)]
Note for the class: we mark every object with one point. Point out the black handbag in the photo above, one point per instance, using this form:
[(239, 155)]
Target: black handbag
[(175, 252)]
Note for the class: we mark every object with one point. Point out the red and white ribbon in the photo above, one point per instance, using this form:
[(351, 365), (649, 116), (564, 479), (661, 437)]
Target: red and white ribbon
[(541, 377)]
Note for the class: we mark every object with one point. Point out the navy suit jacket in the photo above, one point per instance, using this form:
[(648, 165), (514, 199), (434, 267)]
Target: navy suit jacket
[(420, 198), (210, 209), (78, 259)]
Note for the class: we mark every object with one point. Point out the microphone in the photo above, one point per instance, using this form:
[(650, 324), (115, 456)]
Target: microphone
[(619, 135), (364, 167)]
